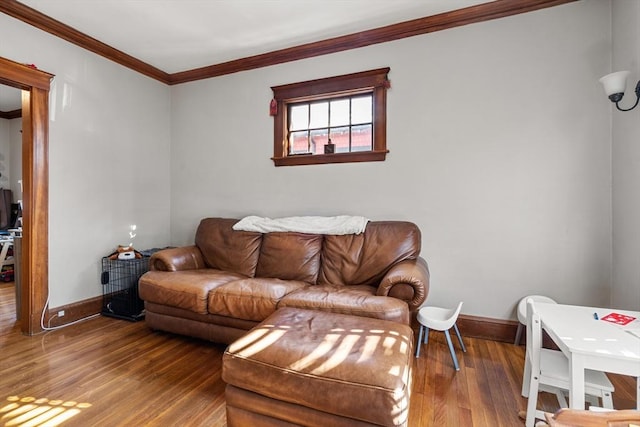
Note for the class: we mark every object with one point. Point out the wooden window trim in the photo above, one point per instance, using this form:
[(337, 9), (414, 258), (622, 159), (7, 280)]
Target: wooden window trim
[(372, 80)]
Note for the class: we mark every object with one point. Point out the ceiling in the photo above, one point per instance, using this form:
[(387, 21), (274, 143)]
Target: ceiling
[(181, 35)]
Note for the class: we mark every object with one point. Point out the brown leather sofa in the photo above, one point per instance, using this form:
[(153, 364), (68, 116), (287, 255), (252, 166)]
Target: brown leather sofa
[(229, 281)]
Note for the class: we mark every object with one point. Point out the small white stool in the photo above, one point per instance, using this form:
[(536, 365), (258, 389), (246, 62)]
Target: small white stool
[(522, 313), (439, 319)]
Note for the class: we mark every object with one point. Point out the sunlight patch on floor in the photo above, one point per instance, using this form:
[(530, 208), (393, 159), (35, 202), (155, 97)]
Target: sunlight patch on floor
[(32, 412)]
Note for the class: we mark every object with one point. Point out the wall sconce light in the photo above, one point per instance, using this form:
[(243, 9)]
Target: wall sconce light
[(614, 86)]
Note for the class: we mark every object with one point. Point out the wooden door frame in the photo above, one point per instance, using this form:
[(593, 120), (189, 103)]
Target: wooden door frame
[(35, 189)]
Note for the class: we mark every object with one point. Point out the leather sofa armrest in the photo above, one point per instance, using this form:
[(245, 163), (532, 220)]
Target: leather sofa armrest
[(408, 280), (176, 259)]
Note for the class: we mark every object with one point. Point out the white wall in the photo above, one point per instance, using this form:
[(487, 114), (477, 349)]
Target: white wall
[(108, 154), (15, 157), (499, 150), (11, 156), (5, 153), (499, 139), (626, 159)]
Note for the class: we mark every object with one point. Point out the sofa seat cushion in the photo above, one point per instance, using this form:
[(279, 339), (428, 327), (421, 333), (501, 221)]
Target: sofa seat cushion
[(186, 289), (355, 300), (353, 367), (250, 299)]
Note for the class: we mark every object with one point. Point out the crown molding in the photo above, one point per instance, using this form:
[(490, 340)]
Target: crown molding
[(13, 114), (456, 18), (469, 15)]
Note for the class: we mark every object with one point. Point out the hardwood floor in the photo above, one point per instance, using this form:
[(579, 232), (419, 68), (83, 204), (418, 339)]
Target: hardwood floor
[(110, 372)]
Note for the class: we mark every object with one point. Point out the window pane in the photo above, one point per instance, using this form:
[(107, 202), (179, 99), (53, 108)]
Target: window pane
[(298, 142), (362, 138), (318, 139), (340, 137), (361, 109), (298, 117), (319, 115), (340, 112)]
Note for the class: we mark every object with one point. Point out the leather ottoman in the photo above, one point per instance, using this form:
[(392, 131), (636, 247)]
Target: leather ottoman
[(314, 368)]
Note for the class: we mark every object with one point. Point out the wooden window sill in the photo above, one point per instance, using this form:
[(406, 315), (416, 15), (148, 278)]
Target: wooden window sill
[(316, 159)]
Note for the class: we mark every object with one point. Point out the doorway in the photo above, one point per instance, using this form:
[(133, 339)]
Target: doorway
[(35, 192), (10, 198)]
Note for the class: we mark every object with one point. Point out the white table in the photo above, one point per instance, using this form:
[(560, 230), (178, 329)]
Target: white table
[(591, 344)]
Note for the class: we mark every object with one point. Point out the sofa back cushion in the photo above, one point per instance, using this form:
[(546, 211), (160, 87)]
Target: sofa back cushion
[(363, 259), (223, 248), (290, 256)]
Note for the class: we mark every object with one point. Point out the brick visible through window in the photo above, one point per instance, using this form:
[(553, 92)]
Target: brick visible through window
[(333, 120)]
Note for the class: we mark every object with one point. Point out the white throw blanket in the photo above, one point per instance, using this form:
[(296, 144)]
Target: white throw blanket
[(342, 224)]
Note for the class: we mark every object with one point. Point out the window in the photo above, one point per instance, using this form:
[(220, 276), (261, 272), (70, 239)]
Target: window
[(333, 120)]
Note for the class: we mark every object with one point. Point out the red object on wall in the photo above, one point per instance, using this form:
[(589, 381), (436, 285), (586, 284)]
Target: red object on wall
[(273, 108)]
